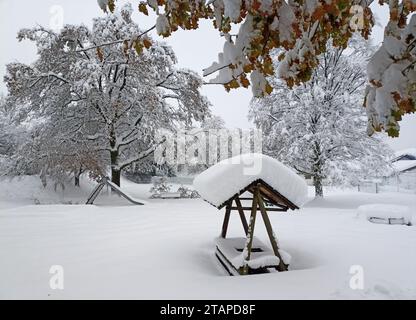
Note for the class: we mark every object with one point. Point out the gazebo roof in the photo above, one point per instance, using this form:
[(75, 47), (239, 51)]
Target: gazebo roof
[(233, 176)]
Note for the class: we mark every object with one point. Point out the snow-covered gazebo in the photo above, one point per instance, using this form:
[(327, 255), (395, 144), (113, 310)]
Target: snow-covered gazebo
[(269, 186)]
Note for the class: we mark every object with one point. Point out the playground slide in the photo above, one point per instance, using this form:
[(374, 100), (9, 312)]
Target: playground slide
[(95, 193), (117, 189)]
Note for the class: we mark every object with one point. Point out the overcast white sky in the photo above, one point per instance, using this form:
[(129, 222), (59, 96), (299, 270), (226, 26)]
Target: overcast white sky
[(195, 50)]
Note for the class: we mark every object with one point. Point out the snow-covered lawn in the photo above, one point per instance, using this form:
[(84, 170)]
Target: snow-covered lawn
[(165, 249)]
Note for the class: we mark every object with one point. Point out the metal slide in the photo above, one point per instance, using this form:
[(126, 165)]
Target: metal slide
[(116, 189)]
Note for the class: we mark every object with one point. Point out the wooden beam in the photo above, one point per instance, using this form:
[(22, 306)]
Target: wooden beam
[(250, 234), (270, 209), (242, 216), (226, 220), (277, 209), (280, 197), (267, 202), (282, 266), (272, 196)]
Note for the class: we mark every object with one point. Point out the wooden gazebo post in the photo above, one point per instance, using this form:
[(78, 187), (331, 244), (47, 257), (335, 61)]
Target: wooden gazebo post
[(262, 195), (259, 203), (227, 215), (226, 220), (275, 188), (250, 234), (273, 241)]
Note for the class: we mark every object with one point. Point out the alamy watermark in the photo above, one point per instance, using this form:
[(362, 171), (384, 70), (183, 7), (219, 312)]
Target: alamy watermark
[(56, 282), (56, 19), (357, 277), (208, 147)]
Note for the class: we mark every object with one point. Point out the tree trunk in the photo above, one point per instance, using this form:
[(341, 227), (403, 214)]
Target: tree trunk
[(317, 171), (77, 184), (115, 170), (115, 176), (319, 191), (77, 177)]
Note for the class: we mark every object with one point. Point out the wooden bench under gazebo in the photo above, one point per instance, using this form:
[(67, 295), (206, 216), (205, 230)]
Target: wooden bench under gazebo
[(268, 186)]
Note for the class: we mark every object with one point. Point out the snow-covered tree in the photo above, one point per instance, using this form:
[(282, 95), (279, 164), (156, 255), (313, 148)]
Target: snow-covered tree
[(11, 135), (45, 151), (101, 106), (319, 127), (5, 141), (302, 29), (392, 72)]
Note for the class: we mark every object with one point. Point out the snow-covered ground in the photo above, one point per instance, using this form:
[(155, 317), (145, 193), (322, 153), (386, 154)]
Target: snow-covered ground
[(165, 249)]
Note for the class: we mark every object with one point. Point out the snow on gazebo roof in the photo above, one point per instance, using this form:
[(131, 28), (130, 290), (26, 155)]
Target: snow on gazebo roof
[(229, 177)]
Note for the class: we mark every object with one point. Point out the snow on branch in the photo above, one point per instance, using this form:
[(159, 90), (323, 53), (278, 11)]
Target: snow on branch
[(300, 30), (103, 102)]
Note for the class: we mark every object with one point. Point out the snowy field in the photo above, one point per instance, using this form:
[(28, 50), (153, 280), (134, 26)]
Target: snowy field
[(165, 250)]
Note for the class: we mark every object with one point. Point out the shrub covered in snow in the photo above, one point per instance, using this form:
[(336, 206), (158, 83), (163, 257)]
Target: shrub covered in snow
[(186, 192), (161, 188), (160, 185)]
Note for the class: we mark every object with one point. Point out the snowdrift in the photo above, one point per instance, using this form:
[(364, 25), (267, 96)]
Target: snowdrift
[(386, 213)]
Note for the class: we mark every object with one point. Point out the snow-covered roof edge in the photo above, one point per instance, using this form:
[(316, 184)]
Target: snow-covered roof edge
[(408, 151), (404, 165), (291, 205), (402, 153)]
